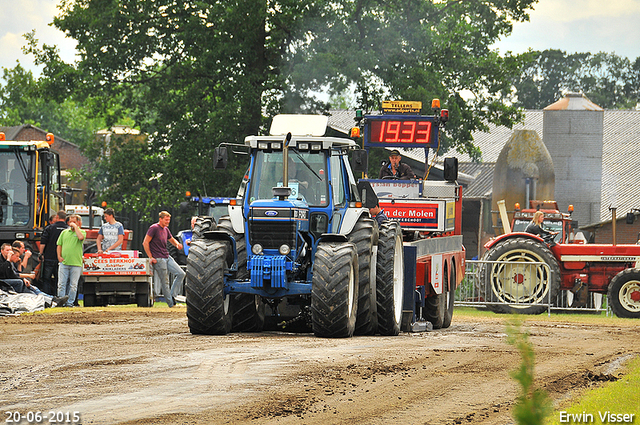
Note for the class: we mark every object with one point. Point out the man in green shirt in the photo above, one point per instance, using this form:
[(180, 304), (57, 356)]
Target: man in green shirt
[(69, 251)]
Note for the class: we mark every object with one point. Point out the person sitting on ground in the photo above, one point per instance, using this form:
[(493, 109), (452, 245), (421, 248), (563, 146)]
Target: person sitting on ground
[(395, 168), (535, 227), (24, 266), (19, 284)]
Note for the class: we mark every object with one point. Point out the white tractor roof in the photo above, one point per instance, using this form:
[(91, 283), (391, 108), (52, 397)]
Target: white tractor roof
[(299, 125)]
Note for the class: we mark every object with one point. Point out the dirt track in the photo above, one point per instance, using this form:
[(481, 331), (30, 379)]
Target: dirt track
[(144, 367)]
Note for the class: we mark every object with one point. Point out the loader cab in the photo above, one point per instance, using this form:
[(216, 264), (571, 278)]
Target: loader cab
[(29, 187)]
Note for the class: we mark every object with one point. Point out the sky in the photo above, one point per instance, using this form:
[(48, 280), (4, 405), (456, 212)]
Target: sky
[(569, 25)]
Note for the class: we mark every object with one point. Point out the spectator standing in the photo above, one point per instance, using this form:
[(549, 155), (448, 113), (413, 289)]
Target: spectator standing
[(155, 246), (69, 252), (111, 233), (48, 249)]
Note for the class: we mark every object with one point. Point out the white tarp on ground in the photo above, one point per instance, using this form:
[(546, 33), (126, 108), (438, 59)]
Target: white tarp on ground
[(14, 304)]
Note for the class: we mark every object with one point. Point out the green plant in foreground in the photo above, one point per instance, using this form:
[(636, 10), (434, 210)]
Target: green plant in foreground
[(533, 404)]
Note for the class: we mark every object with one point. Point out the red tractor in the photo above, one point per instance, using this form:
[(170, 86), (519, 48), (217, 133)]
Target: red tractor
[(511, 285)]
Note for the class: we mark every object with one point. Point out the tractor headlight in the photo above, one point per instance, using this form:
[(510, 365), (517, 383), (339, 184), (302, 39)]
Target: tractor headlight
[(285, 249), (256, 249)]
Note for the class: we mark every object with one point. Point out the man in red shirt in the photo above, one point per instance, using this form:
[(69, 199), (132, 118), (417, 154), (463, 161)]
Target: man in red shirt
[(155, 245)]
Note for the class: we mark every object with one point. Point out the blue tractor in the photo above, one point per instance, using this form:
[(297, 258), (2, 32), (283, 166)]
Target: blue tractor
[(298, 244)]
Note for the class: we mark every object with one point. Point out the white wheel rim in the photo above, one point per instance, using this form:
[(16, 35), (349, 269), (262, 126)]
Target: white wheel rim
[(520, 283), (629, 296)]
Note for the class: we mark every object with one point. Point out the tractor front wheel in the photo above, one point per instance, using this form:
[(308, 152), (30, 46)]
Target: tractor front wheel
[(208, 308)]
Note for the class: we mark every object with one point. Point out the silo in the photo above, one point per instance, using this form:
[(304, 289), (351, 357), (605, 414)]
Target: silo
[(523, 171), (573, 134)]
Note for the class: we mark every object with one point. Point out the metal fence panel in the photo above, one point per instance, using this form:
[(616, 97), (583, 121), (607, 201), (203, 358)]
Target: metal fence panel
[(517, 284)]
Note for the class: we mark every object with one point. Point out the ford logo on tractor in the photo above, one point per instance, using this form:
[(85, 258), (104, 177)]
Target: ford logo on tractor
[(271, 213)]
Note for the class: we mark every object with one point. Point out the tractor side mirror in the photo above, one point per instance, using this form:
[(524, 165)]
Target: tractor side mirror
[(360, 161), (367, 194), (451, 169), (220, 158)]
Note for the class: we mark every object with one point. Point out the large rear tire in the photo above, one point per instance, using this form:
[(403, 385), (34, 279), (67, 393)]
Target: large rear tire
[(334, 296), (624, 294), (202, 224), (248, 313), (209, 311), (362, 238), (390, 278), (524, 286), (224, 224)]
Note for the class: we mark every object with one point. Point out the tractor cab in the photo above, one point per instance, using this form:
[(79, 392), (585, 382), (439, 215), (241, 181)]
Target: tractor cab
[(29, 187), (554, 219)]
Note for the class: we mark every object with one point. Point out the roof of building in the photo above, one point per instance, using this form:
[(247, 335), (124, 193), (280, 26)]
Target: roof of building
[(573, 102), (12, 132)]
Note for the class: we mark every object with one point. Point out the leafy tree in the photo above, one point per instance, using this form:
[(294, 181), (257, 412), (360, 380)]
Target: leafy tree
[(416, 50), (23, 101), (194, 74)]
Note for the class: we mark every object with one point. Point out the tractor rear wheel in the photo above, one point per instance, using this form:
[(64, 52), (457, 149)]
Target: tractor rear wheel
[(451, 298), (390, 278), (334, 295), (202, 224), (362, 238), (248, 313), (520, 288), (209, 311), (224, 224), (624, 294)]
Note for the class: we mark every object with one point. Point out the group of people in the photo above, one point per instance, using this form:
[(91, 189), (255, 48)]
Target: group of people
[(60, 258), (14, 276)]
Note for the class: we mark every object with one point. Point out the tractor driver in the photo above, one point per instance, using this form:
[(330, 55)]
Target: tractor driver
[(298, 176), (396, 169), (535, 227)]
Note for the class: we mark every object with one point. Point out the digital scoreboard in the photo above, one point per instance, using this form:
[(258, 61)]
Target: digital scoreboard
[(401, 131)]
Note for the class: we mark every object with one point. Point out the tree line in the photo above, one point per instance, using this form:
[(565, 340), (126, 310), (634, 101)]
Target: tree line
[(191, 75)]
